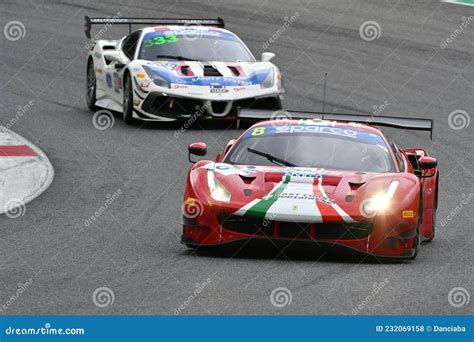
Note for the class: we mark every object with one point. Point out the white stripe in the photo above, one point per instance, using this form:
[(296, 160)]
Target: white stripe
[(336, 207), (196, 68), (295, 210), (223, 69)]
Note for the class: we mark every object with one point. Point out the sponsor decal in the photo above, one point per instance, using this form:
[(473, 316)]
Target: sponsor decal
[(237, 89), (316, 129), (144, 84), (160, 40), (167, 65), (108, 79), (185, 32), (308, 173), (117, 82), (227, 169), (218, 89), (300, 196), (408, 214), (168, 73), (179, 86), (319, 128)]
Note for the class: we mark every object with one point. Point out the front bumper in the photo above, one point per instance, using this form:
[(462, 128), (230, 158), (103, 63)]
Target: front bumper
[(160, 106), (362, 237)]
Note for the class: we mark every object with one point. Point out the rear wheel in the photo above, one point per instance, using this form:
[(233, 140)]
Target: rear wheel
[(91, 86), (128, 101), (433, 217)]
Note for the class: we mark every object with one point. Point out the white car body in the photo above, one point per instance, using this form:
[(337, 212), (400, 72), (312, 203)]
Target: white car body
[(210, 89)]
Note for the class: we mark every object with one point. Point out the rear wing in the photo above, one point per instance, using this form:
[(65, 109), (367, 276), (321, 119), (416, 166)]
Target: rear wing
[(88, 22), (418, 124)]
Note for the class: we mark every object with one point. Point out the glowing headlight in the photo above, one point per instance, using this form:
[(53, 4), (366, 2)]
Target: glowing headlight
[(216, 189), (380, 201), (157, 79), (269, 80)]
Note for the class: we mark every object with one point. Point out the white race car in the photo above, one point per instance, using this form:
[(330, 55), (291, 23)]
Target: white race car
[(180, 69)]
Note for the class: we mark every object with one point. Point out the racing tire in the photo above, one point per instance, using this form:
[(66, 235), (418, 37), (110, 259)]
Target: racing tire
[(433, 218), (91, 86), (417, 238), (128, 101)]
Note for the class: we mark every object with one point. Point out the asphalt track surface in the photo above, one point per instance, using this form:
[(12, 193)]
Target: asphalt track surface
[(133, 247)]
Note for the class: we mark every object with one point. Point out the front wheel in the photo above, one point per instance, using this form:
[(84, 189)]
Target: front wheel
[(417, 238), (128, 101), (91, 89)]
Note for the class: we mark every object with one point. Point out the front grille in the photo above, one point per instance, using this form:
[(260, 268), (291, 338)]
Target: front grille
[(218, 106), (295, 230), (158, 104), (271, 102)]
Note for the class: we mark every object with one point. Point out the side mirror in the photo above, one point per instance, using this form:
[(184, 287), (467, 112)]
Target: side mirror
[(426, 163), (267, 56), (197, 149), (115, 56)]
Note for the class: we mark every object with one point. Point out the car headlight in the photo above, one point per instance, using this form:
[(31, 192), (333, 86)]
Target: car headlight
[(216, 189), (381, 201), (269, 80), (157, 79)]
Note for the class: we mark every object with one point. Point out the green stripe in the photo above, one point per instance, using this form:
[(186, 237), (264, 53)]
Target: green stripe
[(461, 2), (260, 209)]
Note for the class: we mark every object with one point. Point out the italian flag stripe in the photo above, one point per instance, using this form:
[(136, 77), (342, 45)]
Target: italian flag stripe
[(260, 209)]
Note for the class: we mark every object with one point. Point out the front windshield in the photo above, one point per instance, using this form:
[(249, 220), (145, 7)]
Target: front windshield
[(194, 44), (315, 146)]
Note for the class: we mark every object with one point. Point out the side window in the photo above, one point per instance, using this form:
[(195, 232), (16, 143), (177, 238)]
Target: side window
[(129, 44), (398, 155)]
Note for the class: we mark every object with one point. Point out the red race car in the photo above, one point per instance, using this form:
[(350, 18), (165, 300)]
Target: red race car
[(330, 179)]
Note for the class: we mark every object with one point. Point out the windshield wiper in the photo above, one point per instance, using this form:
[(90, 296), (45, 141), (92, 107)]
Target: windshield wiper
[(179, 58), (270, 157)]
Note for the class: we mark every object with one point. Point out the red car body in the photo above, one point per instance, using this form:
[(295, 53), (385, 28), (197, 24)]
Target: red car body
[(326, 206)]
